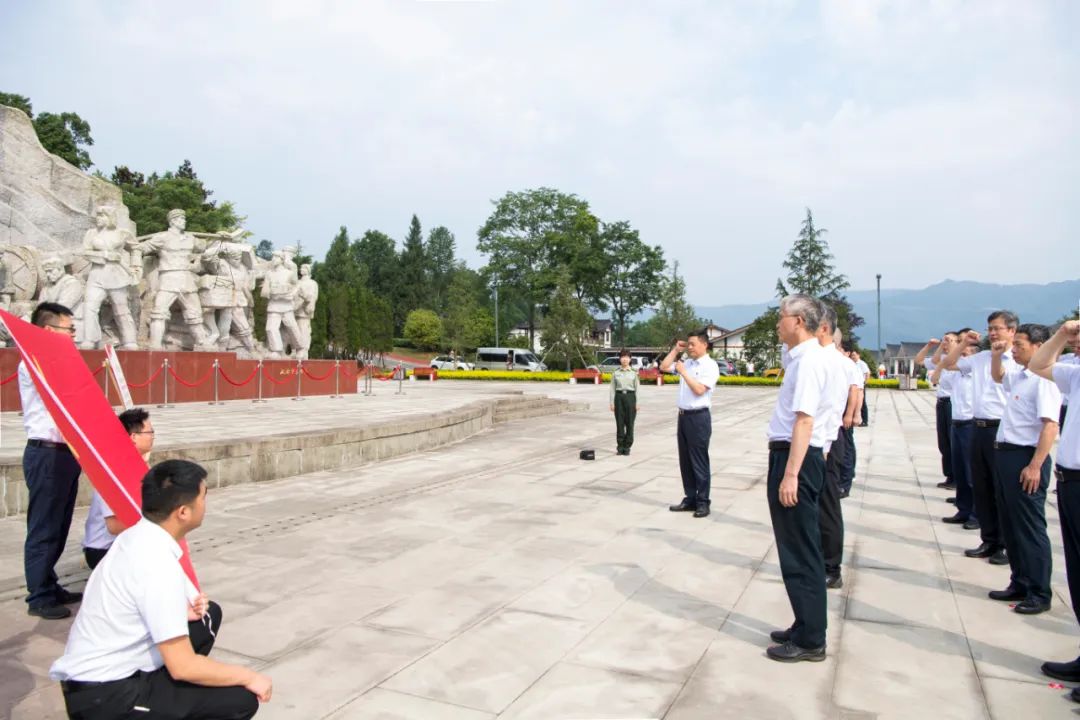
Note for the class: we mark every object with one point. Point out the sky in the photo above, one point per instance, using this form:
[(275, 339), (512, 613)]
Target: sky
[(932, 139)]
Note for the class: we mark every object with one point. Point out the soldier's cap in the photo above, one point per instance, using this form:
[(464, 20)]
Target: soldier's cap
[(53, 261), (175, 214)]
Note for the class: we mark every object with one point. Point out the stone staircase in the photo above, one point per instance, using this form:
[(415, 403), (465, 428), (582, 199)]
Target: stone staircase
[(521, 407)]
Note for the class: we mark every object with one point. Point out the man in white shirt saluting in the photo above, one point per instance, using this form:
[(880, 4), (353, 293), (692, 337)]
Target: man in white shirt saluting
[(132, 652)]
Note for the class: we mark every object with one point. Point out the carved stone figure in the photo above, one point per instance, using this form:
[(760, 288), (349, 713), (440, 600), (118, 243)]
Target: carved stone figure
[(106, 249), (225, 293), (177, 253), (307, 294), (60, 286), (279, 288)]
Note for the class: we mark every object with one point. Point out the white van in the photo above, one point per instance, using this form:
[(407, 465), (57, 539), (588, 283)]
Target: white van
[(494, 358)]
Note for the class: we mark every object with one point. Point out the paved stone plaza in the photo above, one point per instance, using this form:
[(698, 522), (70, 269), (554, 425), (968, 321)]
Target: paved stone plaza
[(500, 576)]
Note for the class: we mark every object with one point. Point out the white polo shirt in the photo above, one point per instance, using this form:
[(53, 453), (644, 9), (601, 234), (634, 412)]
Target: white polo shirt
[(705, 371), (36, 419), (988, 396), (837, 382), (803, 390), (942, 389), (961, 392), (1031, 399), (135, 599), (857, 377), (863, 367), (1067, 378), (96, 533)]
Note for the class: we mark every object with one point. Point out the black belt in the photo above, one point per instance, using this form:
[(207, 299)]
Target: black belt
[(624, 392), (34, 442), (983, 423), (779, 445), (962, 423), (694, 411), (944, 400), (1012, 446), (77, 685), (1066, 474)]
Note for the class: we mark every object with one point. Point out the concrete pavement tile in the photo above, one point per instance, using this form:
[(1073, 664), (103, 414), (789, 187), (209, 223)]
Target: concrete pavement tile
[(588, 592), (317, 679), (574, 691), (894, 671), (1012, 699), (496, 661), (44, 704), (903, 597), (380, 704)]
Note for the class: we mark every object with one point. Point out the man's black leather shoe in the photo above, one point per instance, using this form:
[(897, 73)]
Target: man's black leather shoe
[(790, 652), (1031, 606), (1009, 594), (844, 493), (947, 485), (1067, 671), (999, 558), (684, 506), (984, 550), (780, 636), (951, 500), (66, 597), (702, 511), (956, 519), (971, 524), (1075, 695), (50, 612), (626, 451), (834, 582)]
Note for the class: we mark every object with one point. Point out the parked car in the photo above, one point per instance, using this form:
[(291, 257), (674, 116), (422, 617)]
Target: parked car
[(771, 372), (445, 362), (492, 358), (726, 366), (612, 363)]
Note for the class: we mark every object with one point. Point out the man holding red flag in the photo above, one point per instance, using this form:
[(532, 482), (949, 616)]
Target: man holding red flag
[(52, 477)]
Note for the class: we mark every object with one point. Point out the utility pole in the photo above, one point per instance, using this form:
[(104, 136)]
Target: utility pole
[(881, 349), (496, 316)]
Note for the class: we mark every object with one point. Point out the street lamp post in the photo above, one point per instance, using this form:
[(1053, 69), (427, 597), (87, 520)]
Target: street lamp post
[(497, 315), (881, 350)]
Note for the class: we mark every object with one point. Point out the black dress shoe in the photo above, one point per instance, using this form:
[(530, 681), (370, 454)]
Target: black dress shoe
[(834, 582), (1031, 606), (1075, 695), (1067, 671), (626, 451), (790, 652), (66, 597), (780, 636), (50, 612), (971, 524), (999, 558), (947, 485), (957, 519), (1009, 594), (845, 493), (950, 500), (984, 550), (684, 506), (702, 511)]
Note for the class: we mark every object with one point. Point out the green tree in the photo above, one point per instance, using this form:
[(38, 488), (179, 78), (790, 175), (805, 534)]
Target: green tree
[(565, 325), (265, 249), (675, 316), (412, 286), (423, 329), (334, 321), (375, 253), (20, 102), (530, 239), (634, 274), (467, 324), (149, 200), (373, 326), (761, 345), (809, 264), (441, 247)]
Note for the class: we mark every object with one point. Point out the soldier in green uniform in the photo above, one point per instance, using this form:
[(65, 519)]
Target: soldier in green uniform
[(624, 385)]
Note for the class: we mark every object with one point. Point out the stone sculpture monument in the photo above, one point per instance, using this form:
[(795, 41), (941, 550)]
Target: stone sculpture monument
[(307, 294), (177, 253), (226, 294), (279, 288), (108, 250)]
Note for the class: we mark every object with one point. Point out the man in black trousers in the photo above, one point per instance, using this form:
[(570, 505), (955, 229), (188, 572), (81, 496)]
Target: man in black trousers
[(943, 409), (52, 478), (797, 436), (989, 405)]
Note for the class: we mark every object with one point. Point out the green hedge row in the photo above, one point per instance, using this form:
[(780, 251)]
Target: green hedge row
[(559, 376)]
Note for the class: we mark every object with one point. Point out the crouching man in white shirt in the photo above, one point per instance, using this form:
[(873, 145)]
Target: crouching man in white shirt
[(137, 647)]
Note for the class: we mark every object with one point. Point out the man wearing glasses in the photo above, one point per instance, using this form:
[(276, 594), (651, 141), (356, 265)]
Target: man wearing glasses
[(102, 527), (52, 477)]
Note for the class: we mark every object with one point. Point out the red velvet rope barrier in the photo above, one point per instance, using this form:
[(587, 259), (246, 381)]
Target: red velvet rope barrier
[(348, 374), (205, 378), (11, 377), (150, 380), (238, 384), (316, 378), (276, 382), (99, 371)]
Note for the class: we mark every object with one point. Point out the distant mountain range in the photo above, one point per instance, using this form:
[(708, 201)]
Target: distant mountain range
[(920, 314)]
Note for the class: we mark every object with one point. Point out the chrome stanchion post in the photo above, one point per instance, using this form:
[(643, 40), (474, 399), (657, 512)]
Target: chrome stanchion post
[(400, 380), (337, 380), (165, 383), (105, 364), (259, 372), (299, 374), (217, 370)]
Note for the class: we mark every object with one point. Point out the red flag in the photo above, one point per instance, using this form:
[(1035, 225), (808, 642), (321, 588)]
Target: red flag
[(87, 421)]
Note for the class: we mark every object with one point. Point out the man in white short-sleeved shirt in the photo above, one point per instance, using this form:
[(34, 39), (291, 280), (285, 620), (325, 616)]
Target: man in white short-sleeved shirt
[(102, 527), (697, 378), (1066, 375), (138, 645), (797, 434), (961, 431), (989, 399), (943, 408), (1025, 437)]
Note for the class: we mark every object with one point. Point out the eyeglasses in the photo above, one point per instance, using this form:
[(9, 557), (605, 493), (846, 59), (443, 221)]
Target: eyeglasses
[(70, 330), (144, 432)]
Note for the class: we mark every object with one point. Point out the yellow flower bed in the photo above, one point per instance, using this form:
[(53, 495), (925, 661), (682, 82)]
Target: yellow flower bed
[(560, 376)]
